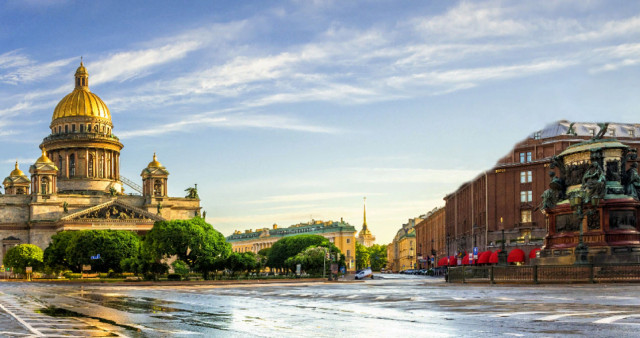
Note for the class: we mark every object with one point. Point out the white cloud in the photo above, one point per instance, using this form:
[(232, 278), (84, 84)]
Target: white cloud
[(229, 121)]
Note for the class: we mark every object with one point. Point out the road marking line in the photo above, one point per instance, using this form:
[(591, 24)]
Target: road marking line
[(509, 314), (25, 324), (381, 297), (612, 319), (555, 317), (352, 296)]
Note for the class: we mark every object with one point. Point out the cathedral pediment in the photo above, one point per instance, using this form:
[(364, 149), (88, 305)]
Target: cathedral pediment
[(113, 211)]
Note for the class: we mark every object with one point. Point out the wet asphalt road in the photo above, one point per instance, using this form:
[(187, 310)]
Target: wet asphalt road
[(410, 306)]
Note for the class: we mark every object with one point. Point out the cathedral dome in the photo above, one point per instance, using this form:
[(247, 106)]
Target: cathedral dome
[(17, 171), (154, 163), (81, 101)]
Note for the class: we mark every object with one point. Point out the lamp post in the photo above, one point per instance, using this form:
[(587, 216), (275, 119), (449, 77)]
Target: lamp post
[(502, 255)]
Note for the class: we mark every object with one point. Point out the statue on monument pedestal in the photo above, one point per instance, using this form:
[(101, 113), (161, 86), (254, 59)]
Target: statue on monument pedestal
[(632, 187), (594, 181)]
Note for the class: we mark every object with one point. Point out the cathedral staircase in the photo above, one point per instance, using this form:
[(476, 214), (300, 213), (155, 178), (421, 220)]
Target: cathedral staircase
[(131, 184)]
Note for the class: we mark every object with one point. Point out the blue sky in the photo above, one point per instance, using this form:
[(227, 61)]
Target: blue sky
[(292, 110)]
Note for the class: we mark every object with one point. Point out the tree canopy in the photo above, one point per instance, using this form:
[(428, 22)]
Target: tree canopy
[(311, 260), (112, 245), (290, 246), (194, 241), (378, 256), (24, 255), (362, 257), (55, 255)]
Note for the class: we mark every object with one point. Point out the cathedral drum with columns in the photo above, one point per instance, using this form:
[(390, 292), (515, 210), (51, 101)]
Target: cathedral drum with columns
[(76, 182)]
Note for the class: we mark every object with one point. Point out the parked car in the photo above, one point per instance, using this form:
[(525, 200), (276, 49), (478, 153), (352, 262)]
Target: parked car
[(364, 273)]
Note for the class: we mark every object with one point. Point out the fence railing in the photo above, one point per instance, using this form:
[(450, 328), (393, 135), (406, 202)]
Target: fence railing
[(609, 273)]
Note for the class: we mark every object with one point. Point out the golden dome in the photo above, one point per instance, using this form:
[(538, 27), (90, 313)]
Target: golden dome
[(81, 101), (44, 158), (154, 163), (17, 171)]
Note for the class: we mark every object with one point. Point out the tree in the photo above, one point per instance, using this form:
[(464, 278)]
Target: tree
[(24, 255), (378, 256), (55, 255), (291, 246), (311, 260), (245, 261), (180, 267), (362, 257), (112, 245), (194, 241)]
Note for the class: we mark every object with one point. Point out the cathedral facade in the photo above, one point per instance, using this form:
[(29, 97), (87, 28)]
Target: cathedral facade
[(76, 182)]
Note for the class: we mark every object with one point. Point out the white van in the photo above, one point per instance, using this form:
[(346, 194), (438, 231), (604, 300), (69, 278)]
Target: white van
[(364, 273)]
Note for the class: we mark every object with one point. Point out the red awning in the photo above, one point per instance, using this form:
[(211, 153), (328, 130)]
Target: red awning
[(494, 257), (532, 254), (465, 260), (516, 256), (444, 261), (453, 261), (483, 257)]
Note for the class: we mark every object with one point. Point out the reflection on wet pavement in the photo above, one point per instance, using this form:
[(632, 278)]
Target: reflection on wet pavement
[(388, 307)]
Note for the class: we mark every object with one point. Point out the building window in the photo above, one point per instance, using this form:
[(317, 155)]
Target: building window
[(348, 240), (90, 165), (60, 166), (348, 253), (526, 196), (536, 136), (632, 133), (525, 157), (73, 128), (44, 186), (101, 167), (66, 128), (526, 176), (525, 216), (72, 165), (82, 128)]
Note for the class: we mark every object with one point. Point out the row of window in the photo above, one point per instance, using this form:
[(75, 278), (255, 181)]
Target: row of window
[(90, 166), (95, 128), (525, 157)]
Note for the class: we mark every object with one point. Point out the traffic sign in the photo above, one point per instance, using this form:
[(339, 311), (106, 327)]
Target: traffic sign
[(28, 269), (96, 256), (475, 252)]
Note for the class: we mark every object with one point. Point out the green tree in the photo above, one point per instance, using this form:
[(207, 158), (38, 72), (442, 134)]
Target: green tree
[(238, 262), (311, 260), (378, 256), (291, 246), (112, 245), (24, 255), (362, 257), (194, 241), (180, 268), (55, 255)]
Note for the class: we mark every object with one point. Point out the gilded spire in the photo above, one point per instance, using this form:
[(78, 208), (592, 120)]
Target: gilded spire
[(364, 224)]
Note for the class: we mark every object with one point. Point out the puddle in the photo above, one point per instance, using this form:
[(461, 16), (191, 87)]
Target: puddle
[(57, 312)]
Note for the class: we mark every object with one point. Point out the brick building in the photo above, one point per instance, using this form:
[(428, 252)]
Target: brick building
[(506, 197), (430, 237)]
